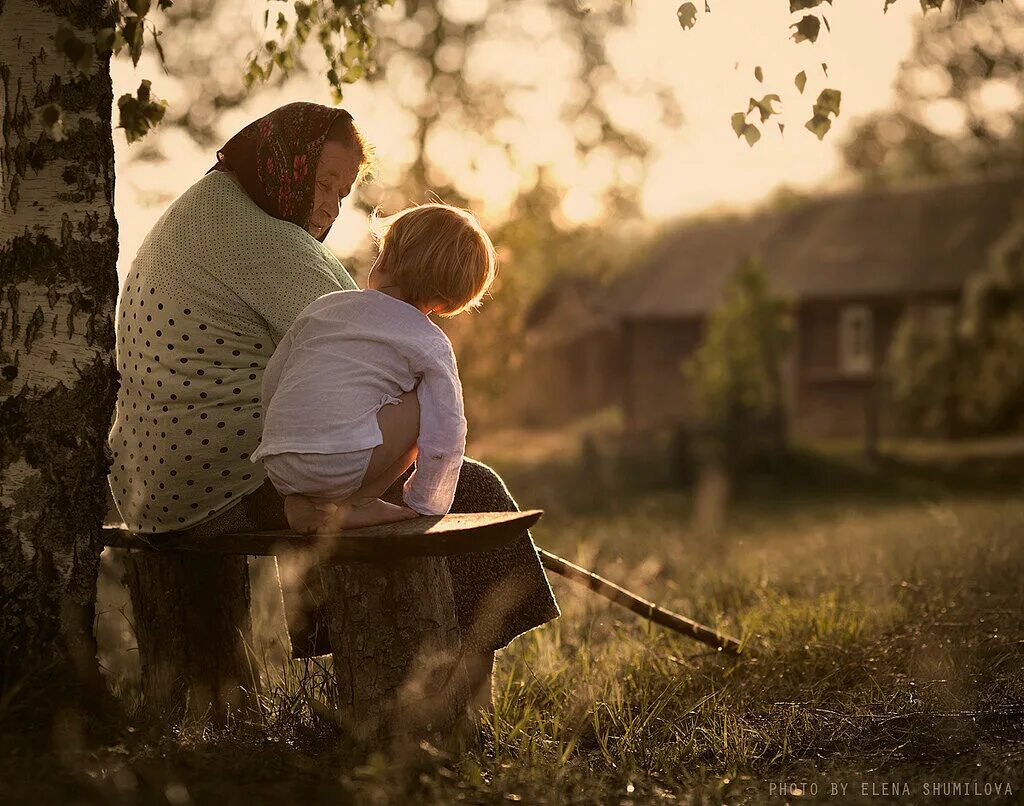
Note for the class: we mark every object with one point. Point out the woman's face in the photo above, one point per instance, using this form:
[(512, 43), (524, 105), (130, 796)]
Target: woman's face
[(335, 174)]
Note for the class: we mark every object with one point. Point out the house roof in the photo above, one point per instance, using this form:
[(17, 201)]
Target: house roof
[(880, 242)]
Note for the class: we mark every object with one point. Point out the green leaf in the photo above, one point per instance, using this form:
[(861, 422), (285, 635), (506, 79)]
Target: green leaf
[(353, 74), (803, 5), (163, 5), (928, 5), (133, 31), (759, 74), (687, 14), (824, 69), (140, 8), (782, 128), (252, 74), (807, 29), (745, 130), (819, 125), (800, 81), (159, 47), (282, 23), (828, 101), (351, 54), (140, 112), (764, 106)]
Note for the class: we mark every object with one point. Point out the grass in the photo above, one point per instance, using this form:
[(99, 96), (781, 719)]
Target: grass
[(881, 609)]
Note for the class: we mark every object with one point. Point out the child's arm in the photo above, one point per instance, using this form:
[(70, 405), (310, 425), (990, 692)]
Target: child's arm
[(430, 490)]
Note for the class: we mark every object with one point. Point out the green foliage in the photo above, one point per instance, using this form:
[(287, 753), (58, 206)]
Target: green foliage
[(827, 104), (954, 64), (744, 129), (922, 370), (140, 112), (969, 379), (764, 106), (807, 29), (687, 14), (342, 31), (736, 370)]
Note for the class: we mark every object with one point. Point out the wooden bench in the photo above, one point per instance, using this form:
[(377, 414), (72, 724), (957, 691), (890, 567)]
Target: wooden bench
[(390, 613)]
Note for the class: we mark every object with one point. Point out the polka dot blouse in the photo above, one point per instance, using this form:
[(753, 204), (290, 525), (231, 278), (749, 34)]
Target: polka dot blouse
[(214, 287)]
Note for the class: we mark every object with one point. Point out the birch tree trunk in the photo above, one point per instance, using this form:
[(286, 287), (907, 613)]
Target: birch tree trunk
[(58, 286)]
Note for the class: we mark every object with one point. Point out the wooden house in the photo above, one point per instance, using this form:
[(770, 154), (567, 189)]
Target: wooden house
[(850, 263)]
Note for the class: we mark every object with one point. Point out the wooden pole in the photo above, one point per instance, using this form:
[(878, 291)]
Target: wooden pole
[(642, 607)]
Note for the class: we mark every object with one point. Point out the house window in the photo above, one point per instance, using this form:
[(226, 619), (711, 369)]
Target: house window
[(855, 340)]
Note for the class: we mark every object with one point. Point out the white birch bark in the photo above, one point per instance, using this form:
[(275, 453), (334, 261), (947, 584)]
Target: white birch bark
[(58, 287)]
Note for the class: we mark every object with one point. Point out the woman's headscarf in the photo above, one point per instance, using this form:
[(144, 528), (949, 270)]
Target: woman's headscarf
[(275, 158)]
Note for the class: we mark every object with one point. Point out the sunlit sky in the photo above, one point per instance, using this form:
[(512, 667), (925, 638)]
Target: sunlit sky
[(694, 167)]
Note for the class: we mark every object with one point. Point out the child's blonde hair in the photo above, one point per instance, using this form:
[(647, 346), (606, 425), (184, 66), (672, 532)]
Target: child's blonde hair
[(436, 252)]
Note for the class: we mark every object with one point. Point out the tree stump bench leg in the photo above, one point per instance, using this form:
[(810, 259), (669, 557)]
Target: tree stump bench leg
[(398, 652), (193, 626)]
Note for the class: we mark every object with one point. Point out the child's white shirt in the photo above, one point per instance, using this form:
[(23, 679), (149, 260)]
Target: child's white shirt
[(348, 354)]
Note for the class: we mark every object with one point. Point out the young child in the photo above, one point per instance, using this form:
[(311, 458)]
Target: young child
[(340, 426)]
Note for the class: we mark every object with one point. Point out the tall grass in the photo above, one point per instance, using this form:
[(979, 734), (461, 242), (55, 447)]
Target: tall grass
[(882, 638)]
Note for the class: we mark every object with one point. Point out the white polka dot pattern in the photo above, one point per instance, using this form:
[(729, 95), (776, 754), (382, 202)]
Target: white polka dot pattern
[(214, 287)]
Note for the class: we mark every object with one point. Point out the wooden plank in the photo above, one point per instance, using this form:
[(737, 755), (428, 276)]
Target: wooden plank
[(418, 537)]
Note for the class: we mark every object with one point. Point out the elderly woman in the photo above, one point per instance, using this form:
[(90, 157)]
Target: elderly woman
[(214, 287)]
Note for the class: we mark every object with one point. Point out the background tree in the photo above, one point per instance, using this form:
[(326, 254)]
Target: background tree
[(736, 376), (965, 374), (959, 100)]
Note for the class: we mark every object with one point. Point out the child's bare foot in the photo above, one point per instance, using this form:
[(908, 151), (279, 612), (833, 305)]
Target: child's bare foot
[(305, 515), (365, 512)]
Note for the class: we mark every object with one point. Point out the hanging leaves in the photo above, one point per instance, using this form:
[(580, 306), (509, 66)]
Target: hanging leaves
[(803, 5), (341, 30), (764, 106), (140, 112), (807, 29), (759, 74), (132, 32), (827, 104), (687, 14), (800, 81), (745, 130)]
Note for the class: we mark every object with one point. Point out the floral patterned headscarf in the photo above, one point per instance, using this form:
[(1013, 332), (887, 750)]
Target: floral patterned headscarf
[(275, 158)]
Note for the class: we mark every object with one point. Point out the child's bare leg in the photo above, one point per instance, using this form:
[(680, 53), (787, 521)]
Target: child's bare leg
[(399, 426)]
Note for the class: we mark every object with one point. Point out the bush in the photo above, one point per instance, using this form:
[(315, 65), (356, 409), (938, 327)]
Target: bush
[(736, 371)]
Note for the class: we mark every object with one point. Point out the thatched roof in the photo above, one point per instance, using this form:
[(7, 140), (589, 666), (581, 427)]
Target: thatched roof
[(882, 242)]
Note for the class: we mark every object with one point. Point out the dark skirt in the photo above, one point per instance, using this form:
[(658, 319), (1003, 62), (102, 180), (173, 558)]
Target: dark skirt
[(499, 594)]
